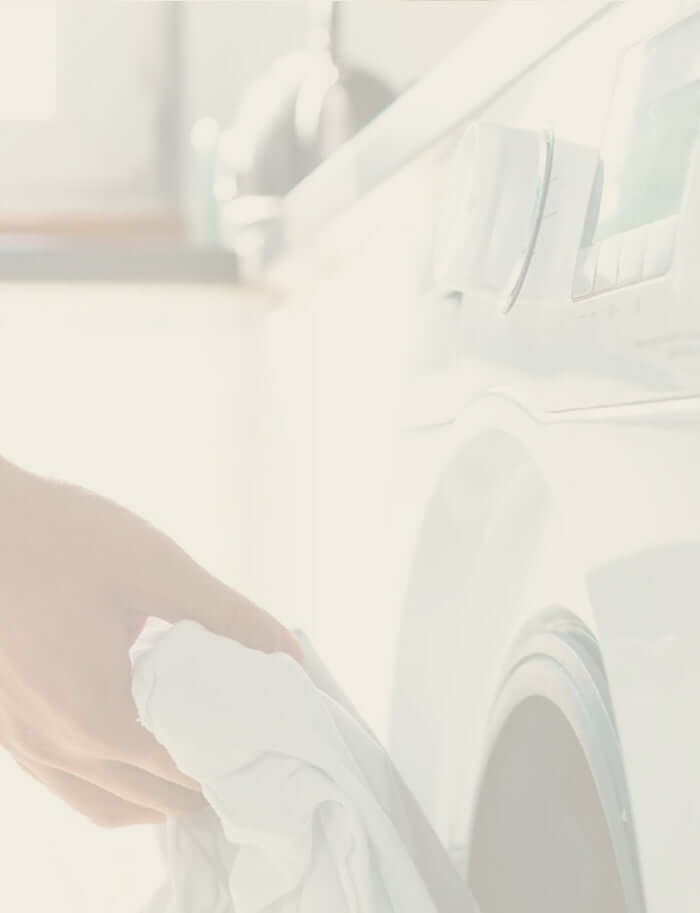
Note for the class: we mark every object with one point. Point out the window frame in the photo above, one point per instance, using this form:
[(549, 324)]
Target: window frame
[(153, 214)]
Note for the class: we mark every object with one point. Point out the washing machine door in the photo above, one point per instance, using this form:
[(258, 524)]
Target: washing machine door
[(503, 722), (430, 858)]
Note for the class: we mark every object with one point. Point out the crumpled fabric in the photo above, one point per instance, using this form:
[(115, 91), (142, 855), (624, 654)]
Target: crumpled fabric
[(306, 813)]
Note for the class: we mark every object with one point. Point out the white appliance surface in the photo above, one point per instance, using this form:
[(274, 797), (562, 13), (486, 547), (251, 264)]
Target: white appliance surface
[(494, 483)]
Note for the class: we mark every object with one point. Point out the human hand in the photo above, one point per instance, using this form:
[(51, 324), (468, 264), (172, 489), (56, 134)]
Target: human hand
[(78, 576)]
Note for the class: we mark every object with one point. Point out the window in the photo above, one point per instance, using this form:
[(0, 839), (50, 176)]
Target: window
[(27, 63), (88, 118)]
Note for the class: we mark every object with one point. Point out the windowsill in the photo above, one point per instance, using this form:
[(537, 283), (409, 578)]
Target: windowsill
[(101, 226), (40, 260)]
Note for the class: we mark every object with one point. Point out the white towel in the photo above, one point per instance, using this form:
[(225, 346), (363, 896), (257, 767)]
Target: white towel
[(307, 814)]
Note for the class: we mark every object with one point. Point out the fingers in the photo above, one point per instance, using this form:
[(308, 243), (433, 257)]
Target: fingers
[(139, 749), (100, 806), (175, 587), (201, 597), (138, 787), (111, 732), (113, 794)]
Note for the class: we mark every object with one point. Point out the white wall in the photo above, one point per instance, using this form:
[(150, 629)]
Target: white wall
[(146, 394), (228, 43)]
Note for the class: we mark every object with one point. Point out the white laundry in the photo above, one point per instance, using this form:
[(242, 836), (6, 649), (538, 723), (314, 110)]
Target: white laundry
[(307, 814)]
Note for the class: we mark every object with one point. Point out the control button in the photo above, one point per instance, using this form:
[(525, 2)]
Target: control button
[(584, 274), (606, 271), (631, 263), (661, 240)]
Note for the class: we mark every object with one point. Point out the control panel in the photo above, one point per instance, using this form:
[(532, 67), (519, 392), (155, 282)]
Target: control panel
[(638, 203), (573, 261)]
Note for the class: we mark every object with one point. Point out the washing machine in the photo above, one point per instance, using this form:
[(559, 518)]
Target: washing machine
[(503, 332)]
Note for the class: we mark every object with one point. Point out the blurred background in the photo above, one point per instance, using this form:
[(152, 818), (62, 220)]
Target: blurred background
[(132, 126)]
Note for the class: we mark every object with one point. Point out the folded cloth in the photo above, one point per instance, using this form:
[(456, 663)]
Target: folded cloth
[(306, 812)]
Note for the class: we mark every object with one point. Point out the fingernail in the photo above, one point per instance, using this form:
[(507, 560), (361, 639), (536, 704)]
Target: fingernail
[(289, 644)]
